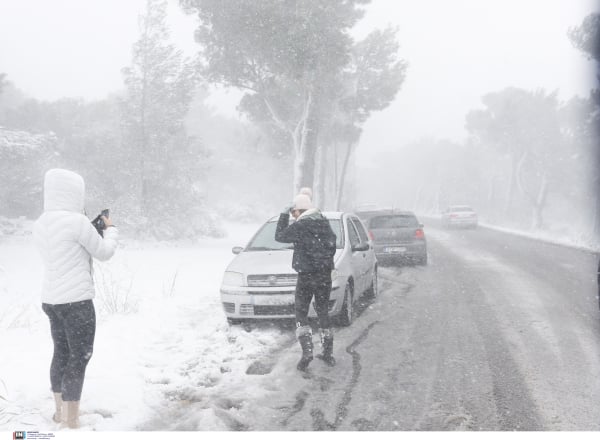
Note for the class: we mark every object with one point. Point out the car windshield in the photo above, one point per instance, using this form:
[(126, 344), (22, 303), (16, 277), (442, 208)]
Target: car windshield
[(394, 221), (264, 240)]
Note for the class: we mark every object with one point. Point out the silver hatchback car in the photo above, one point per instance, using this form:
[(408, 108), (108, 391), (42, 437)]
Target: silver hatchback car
[(459, 215), (259, 283), (398, 237)]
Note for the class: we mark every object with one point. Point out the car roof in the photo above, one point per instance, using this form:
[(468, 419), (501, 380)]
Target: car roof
[(385, 212), (373, 212), (460, 206), (331, 215), (367, 207)]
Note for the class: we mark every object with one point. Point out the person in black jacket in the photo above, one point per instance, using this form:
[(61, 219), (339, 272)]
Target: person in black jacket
[(314, 247)]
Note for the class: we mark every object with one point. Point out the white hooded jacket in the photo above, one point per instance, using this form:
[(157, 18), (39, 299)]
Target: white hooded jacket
[(67, 240)]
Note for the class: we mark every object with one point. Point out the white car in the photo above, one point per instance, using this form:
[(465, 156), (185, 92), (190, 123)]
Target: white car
[(259, 283), (459, 215)]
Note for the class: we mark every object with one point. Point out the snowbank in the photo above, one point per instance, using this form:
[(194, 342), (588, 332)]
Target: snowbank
[(162, 341)]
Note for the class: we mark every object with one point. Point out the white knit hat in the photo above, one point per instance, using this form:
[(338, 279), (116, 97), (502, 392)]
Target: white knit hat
[(306, 190), (302, 201)]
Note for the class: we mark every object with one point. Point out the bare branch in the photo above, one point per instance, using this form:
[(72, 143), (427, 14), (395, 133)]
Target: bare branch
[(275, 117)]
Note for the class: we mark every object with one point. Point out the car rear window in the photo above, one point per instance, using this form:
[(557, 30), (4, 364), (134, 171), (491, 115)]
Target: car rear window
[(461, 209), (264, 240), (393, 221)]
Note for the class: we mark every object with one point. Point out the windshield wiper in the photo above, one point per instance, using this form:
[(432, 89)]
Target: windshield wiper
[(264, 248)]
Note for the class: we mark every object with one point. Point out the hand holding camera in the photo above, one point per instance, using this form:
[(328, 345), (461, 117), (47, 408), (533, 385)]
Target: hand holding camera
[(102, 221)]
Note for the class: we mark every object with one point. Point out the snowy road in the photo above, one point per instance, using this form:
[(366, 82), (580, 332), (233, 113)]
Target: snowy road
[(496, 333)]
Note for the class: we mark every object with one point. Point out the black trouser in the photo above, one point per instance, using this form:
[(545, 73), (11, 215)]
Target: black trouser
[(319, 285), (73, 327)]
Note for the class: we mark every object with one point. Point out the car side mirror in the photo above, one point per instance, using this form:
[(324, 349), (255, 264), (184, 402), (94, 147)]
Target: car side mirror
[(360, 247), (237, 249)]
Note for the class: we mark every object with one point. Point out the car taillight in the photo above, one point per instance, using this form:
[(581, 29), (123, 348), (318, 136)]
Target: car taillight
[(419, 233), (453, 215), (371, 236)]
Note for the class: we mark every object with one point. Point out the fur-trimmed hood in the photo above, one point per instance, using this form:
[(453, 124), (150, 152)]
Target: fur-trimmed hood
[(312, 213)]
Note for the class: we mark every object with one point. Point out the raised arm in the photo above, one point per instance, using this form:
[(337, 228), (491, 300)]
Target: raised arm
[(286, 233), (98, 247)]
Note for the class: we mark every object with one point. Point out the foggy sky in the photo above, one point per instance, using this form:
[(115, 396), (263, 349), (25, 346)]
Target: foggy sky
[(457, 51)]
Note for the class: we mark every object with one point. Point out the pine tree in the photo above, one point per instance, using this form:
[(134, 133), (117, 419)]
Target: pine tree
[(160, 86)]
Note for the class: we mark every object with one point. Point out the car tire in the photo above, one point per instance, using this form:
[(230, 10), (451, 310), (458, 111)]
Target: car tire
[(374, 289), (233, 321), (346, 315), (423, 260)]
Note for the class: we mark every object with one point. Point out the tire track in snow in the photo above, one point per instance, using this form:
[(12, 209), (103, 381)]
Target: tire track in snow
[(319, 421)]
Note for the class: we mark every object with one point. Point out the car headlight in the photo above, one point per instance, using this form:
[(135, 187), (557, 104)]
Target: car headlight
[(233, 279)]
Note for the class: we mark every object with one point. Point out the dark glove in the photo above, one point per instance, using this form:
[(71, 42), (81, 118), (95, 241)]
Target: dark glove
[(287, 210), (99, 224)]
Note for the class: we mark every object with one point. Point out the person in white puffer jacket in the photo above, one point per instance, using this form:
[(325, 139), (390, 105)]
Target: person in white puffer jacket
[(67, 242)]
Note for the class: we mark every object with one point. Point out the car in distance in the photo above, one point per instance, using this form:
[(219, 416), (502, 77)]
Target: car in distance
[(259, 283), (397, 237), (459, 216)]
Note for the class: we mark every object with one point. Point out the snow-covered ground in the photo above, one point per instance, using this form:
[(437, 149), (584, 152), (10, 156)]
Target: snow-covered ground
[(162, 341)]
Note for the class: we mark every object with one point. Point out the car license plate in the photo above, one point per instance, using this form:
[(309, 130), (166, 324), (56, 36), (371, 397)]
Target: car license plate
[(277, 301), (394, 249)]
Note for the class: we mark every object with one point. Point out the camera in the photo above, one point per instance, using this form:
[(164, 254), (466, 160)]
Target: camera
[(99, 223)]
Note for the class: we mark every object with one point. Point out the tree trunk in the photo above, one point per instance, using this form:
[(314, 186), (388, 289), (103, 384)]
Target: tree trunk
[(309, 162), (540, 204), (340, 193), (298, 170), (596, 220), (144, 102), (335, 170), (321, 180), (513, 182), (538, 201), (297, 135), (300, 138), (311, 134)]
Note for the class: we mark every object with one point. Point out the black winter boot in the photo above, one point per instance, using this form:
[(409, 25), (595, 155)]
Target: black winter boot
[(304, 335), (327, 343)]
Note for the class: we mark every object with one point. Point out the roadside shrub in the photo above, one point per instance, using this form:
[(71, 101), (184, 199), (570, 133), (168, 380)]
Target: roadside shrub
[(113, 294)]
